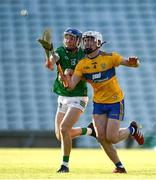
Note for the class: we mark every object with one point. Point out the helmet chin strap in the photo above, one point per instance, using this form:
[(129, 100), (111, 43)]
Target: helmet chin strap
[(71, 49), (89, 50)]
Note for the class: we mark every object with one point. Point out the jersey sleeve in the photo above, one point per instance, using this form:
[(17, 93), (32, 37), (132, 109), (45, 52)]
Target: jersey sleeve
[(117, 59), (78, 69)]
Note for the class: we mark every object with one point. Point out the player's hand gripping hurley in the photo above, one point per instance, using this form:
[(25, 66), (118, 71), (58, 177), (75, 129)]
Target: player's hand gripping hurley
[(48, 47)]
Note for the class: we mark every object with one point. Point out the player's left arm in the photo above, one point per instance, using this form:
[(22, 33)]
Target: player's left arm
[(132, 61)]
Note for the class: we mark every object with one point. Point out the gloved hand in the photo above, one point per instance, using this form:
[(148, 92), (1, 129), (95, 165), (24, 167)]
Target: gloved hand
[(133, 61), (46, 45), (46, 42), (49, 64)]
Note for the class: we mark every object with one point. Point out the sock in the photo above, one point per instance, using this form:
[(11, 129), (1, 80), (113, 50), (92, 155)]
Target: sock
[(131, 130), (86, 131), (119, 164), (65, 161)]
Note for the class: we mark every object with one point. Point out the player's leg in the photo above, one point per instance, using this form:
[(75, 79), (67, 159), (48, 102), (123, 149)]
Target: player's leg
[(115, 116), (66, 125), (80, 104), (74, 132), (61, 112), (75, 107), (58, 119), (114, 133), (100, 123), (118, 134)]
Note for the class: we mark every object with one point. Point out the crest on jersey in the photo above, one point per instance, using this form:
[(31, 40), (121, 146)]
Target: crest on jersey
[(73, 62), (103, 65)]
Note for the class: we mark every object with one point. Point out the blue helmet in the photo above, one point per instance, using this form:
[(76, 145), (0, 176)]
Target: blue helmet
[(74, 32)]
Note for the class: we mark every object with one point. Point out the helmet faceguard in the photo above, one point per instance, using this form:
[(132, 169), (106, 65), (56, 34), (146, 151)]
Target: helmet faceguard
[(92, 40), (75, 33)]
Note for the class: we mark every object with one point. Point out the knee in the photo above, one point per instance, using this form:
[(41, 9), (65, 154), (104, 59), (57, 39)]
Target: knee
[(64, 131)]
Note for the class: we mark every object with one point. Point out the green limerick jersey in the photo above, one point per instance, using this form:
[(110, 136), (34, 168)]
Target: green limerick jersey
[(69, 60)]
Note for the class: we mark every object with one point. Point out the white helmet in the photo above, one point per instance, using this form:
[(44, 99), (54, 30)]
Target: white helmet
[(97, 36)]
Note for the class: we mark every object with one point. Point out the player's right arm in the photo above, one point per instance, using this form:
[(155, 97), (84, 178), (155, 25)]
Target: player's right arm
[(49, 63), (76, 77), (51, 56), (73, 81)]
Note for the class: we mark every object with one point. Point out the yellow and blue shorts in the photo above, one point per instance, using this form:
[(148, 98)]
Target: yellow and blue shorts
[(113, 111)]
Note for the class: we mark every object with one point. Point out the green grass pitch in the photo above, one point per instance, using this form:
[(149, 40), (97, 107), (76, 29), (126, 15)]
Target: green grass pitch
[(85, 164)]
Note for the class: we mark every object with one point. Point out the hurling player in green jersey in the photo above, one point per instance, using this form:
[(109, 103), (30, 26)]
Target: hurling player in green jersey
[(71, 104)]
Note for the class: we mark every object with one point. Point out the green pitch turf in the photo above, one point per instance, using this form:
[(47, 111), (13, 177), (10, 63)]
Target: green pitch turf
[(85, 164)]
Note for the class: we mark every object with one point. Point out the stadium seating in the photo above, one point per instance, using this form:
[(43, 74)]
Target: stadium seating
[(26, 100)]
